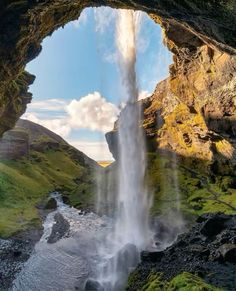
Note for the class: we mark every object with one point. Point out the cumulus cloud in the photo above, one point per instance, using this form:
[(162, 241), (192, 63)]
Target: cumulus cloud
[(97, 151), (92, 112)]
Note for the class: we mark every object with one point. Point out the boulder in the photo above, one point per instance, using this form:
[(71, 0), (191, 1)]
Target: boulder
[(214, 225), (151, 256), (92, 285), (228, 252), (51, 204), (59, 229)]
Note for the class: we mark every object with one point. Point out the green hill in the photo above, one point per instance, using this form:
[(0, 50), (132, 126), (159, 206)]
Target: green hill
[(34, 162)]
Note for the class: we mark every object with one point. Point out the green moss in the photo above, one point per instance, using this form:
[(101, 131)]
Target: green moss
[(197, 192), (190, 282), (26, 183), (155, 283), (182, 282)]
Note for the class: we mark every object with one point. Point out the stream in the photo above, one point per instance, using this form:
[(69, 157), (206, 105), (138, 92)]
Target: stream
[(68, 263)]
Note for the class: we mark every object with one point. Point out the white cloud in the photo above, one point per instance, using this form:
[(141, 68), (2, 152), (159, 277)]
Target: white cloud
[(97, 151), (103, 16), (92, 112), (47, 105)]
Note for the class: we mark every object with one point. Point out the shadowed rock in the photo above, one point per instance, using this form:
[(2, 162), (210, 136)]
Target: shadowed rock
[(59, 229)]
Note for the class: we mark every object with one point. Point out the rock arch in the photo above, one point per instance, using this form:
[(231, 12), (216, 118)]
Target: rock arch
[(197, 32)]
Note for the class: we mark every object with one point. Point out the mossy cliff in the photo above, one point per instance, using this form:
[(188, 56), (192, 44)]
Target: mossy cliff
[(34, 162), (193, 29)]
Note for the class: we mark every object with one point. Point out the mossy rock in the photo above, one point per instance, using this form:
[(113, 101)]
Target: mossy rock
[(175, 186), (182, 282)]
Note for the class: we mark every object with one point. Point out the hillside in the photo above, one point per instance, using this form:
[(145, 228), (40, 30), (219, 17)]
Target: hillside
[(34, 162)]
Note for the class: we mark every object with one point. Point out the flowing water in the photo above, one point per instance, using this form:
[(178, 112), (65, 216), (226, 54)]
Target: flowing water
[(120, 251), (66, 264)]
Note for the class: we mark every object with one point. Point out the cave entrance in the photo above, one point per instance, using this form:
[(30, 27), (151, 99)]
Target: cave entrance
[(77, 87)]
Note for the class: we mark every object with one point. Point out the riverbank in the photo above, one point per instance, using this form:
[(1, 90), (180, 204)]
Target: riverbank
[(17, 249), (14, 252)]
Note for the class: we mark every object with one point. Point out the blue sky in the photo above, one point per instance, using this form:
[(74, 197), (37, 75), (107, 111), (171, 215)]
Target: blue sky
[(78, 90)]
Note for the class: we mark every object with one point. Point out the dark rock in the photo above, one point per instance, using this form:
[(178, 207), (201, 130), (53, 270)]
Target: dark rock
[(194, 252), (51, 204), (200, 250), (92, 285), (214, 225), (13, 253), (151, 256), (59, 229), (127, 258), (228, 252)]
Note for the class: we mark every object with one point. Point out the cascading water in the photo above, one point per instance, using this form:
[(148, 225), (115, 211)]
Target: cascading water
[(133, 204), (131, 234)]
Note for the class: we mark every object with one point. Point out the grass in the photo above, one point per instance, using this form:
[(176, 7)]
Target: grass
[(25, 183)]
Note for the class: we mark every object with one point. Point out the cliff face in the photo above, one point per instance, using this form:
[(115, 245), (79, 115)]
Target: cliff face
[(193, 112), (188, 26)]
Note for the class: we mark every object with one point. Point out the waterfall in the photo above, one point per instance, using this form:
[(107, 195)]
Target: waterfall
[(132, 204), (131, 234)]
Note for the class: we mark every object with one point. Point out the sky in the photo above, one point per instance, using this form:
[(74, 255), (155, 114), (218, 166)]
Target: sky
[(78, 89)]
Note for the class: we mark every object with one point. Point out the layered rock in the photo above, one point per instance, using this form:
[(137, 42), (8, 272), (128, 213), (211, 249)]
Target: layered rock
[(14, 145), (193, 112)]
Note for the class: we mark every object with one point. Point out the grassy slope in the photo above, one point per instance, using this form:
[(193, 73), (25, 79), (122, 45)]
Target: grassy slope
[(25, 183)]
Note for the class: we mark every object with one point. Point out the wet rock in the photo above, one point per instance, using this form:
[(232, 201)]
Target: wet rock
[(92, 285), (207, 249), (127, 258), (228, 252), (51, 204), (13, 253), (214, 225), (151, 256), (59, 229)]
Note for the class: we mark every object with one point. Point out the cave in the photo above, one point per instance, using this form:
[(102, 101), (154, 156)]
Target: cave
[(24, 24), (189, 127)]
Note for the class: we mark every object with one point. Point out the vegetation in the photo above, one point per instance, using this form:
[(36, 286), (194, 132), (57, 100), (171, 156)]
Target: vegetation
[(26, 182), (182, 282), (198, 192)]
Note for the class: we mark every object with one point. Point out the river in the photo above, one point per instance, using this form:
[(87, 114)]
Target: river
[(68, 263)]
